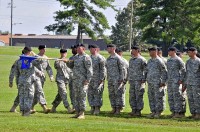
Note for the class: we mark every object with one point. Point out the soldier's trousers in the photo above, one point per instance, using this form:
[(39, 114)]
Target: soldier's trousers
[(71, 92), (26, 94), (16, 101), (80, 94), (95, 92), (61, 96), (39, 93), (136, 93), (115, 94), (193, 93), (156, 95), (176, 98)]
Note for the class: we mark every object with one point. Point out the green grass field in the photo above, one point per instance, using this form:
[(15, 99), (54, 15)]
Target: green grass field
[(61, 121)]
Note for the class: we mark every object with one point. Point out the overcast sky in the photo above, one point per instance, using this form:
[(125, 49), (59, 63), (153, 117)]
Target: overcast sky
[(34, 15)]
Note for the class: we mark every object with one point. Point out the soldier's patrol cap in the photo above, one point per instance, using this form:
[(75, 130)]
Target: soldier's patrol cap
[(172, 49), (118, 50), (41, 47), (80, 45), (92, 46), (111, 45), (152, 48), (136, 47), (192, 49), (63, 50), (73, 47), (27, 49)]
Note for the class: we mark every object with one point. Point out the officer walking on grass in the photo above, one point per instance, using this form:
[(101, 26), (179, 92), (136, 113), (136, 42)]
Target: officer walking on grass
[(137, 79), (62, 79), (96, 85), (176, 74), (156, 79)]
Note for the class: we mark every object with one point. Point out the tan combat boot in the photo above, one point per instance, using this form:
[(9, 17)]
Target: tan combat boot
[(70, 111), (45, 109), (197, 116), (178, 115), (113, 110), (13, 109), (26, 113), (117, 112), (138, 113), (172, 114), (81, 115), (97, 110), (157, 115), (132, 113), (92, 109), (53, 109)]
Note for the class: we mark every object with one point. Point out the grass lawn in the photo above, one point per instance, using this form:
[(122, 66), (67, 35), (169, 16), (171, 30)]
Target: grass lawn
[(61, 121)]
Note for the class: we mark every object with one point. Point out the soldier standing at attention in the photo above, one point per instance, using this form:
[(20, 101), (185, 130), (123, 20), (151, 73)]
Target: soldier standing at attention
[(42, 65), (26, 78), (82, 73), (114, 65), (156, 79), (137, 78), (125, 72), (62, 79), (71, 89), (192, 82), (96, 85), (176, 74)]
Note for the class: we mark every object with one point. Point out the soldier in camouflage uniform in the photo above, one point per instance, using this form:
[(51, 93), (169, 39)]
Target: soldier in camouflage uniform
[(82, 73), (137, 78), (26, 78), (125, 72), (192, 82), (62, 79), (96, 85), (42, 65), (159, 53), (71, 89), (114, 65), (156, 79), (176, 74)]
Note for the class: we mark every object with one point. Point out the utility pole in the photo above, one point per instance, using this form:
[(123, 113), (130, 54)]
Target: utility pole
[(131, 24), (11, 23)]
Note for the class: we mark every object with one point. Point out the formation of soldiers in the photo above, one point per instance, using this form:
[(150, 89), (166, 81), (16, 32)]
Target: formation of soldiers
[(85, 75)]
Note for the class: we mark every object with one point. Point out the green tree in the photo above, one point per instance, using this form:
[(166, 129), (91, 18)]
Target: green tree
[(121, 31), (81, 14)]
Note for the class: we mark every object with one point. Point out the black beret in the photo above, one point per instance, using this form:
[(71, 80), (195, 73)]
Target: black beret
[(118, 50), (27, 49), (152, 48), (172, 49), (159, 48), (63, 50), (111, 45), (135, 47), (192, 49), (178, 53), (73, 46), (93, 46), (80, 44), (42, 46)]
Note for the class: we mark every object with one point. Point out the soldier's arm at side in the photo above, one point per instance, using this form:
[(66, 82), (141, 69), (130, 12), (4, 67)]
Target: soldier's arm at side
[(163, 74), (89, 70), (102, 69)]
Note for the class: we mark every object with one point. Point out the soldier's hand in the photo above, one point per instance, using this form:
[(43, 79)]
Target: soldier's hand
[(86, 82), (52, 79), (10, 85)]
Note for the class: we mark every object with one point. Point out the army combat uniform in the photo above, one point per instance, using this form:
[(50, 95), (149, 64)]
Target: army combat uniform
[(96, 85), (176, 73), (192, 82), (156, 75), (137, 77), (114, 66)]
